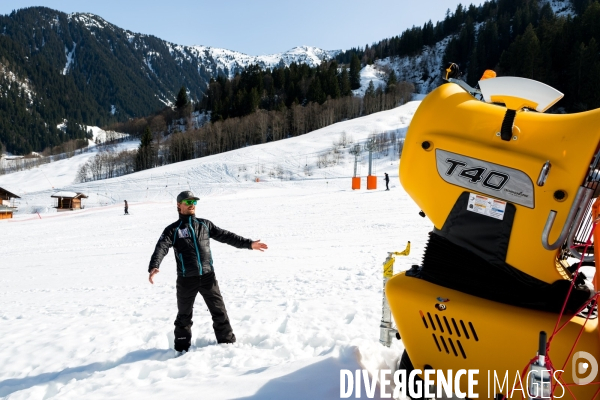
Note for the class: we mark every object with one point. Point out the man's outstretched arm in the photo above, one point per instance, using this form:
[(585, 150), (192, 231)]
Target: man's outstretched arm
[(230, 238), (160, 251)]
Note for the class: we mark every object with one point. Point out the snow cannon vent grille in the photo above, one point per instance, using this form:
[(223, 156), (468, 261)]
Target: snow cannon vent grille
[(452, 329)]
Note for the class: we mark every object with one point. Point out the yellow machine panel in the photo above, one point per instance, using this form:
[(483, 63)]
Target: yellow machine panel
[(451, 119), (473, 333)]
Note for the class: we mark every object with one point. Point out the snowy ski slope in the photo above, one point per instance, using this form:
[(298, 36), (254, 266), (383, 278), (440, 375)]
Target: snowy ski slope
[(78, 318)]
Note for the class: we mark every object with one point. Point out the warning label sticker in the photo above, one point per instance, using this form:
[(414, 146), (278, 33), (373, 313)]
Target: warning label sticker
[(486, 206)]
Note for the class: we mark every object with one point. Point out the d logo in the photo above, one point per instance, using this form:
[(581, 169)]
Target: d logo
[(580, 367)]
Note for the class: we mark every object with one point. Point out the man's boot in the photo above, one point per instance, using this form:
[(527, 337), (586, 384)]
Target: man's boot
[(183, 338)]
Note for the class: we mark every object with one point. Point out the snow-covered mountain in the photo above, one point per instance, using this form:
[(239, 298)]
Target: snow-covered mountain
[(230, 62), (213, 59)]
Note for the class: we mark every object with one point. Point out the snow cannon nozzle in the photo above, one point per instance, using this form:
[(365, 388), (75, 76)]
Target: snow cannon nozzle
[(452, 74), (452, 71), (542, 345)]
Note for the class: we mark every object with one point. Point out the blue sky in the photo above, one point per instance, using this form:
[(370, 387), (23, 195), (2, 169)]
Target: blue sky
[(261, 26)]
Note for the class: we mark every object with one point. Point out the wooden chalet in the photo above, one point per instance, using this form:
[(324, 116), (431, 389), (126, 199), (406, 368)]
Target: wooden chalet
[(68, 201), (7, 203)]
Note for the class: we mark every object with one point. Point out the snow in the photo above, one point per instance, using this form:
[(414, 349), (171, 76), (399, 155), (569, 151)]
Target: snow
[(12, 77), (69, 55), (148, 60), (165, 101), (216, 59), (64, 194), (424, 70), (80, 320), (367, 74), (563, 8), (101, 136), (90, 20), (62, 126), (113, 109), (54, 175)]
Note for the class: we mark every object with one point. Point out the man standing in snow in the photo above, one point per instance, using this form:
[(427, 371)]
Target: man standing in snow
[(190, 238), (387, 181), (126, 208)]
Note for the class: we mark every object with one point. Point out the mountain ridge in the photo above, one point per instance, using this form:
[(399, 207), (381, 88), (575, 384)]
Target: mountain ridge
[(83, 68)]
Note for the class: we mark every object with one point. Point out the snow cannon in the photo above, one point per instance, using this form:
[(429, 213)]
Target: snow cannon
[(509, 190)]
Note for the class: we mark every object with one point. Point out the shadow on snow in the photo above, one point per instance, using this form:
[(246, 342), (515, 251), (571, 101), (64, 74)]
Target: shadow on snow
[(320, 380), (9, 386)]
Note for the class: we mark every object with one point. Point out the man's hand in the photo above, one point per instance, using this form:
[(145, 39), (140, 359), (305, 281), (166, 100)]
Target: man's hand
[(152, 273), (257, 245)]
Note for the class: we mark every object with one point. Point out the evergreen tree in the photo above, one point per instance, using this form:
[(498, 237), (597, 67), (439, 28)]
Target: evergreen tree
[(182, 100), (253, 100), (355, 72), (473, 74), (370, 92), (315, 91), (592, 59), (391, 82), (333, 86), (145, 154), (523, 56), (344, 83)]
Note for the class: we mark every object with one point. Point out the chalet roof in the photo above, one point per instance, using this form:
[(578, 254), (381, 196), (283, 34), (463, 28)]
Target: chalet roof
[(9, 193), (69, 195)]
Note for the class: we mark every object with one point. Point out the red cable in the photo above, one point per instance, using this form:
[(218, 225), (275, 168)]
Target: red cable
[(556, 329), (592, 301), (587, 244), (579, 335)]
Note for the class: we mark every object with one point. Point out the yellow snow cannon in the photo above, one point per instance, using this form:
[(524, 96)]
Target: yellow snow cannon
[(509, 190)]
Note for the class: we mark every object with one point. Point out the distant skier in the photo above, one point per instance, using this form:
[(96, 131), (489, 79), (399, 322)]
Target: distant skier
[(387, 181), (190, 238), (126, 208)]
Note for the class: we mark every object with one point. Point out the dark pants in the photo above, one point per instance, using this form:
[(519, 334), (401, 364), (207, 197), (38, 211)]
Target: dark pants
[(387, 185), (187, 288)]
